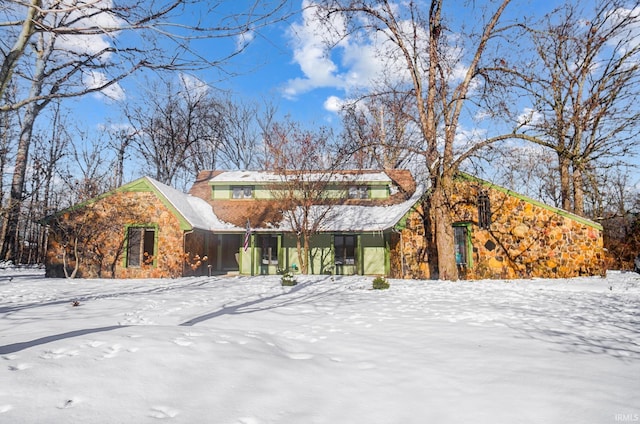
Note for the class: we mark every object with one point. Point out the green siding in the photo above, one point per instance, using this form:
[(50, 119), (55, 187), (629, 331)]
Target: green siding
[(321, 254), (379, 191), (373, 254), (265, 192)]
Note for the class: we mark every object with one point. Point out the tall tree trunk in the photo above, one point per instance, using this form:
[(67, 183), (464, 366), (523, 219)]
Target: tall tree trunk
[(578, 191), (12, 220), (565, 182), (442, 224), (31, 111), (12, 58)]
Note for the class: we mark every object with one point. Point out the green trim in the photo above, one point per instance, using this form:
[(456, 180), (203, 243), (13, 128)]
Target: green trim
[(469, 227), (402, 223), (140, 185), (360, 255), (156, 228), (144, 185), (561, 212), (387, 254)]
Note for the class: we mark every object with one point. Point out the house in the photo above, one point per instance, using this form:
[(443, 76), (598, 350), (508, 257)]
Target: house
[(366, 222)]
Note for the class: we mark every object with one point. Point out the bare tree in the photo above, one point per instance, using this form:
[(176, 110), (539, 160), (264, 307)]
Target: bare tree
[(380, 131), (171, 125), (442, 77), (243, 124), (302, 161), (76, 48), (88, 171), (583, 85), (120, 139)]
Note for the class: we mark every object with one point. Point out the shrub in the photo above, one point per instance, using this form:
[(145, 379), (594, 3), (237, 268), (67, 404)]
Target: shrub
[(380, 283), (288, 279)]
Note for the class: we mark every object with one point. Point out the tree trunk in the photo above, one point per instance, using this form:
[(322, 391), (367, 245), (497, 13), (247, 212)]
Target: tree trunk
[(578, 191), (307, 238), (32, 110), (14, 206), (12, 58), (301, 253), (565, 182), (443, 237)]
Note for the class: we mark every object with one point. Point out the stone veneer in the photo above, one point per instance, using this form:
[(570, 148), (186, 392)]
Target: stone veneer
[(101, 225), (525, 239)]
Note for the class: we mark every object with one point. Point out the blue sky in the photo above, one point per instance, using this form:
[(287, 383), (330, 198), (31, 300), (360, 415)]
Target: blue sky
[(286, 62)]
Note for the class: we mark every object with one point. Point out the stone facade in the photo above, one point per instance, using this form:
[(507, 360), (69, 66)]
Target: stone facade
[(524, 239), (100, 230)]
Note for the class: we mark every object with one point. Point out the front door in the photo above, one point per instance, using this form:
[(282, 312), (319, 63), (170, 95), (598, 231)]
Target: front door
[(345, 254)]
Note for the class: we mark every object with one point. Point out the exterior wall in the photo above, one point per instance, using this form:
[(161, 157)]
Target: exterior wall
[(321, 251), (525, 239), (373, 254), (100, 227)]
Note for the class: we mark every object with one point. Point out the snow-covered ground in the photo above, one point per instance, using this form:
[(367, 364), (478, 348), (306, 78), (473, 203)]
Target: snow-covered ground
[(247, 350)]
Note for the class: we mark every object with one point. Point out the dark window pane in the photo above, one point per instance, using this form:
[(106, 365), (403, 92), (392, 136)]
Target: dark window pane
[(148, 250), (460, 234), (133, 246)]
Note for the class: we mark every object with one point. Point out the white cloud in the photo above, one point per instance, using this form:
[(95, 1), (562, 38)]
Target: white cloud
[(353, 62), (244, 39), (94, 79), (310, 52), (90, 15), (194, 86), (334, 104), (530, 117)]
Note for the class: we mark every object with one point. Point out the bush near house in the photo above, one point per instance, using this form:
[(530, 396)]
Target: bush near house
[(380, 283)]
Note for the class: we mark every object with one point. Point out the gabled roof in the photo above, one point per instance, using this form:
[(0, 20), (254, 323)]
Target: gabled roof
[(350, 215), (509, 192), (191, 211)]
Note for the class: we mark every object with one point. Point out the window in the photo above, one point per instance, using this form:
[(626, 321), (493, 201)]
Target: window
[(358, 192), (141, 244), (484, 211), (345, 249), (242, 192), (269, 246), (461, 245)]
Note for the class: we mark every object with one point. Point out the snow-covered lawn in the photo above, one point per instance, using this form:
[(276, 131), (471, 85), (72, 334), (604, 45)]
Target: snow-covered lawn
[(247, 350)]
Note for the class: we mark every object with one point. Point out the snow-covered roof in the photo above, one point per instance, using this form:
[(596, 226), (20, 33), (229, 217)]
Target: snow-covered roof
[(357, 218), (252, 177), (200, 213), (197, 212)]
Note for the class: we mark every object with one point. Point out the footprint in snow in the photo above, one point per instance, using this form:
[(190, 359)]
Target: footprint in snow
[(162, 412), (68, 403), (112, 351), (248, 420), (58, 353), (19, 367), (182, 342), (5, 408)]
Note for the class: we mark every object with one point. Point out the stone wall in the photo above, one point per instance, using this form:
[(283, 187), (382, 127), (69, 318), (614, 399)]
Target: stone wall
[(525, 239), (99, 228)]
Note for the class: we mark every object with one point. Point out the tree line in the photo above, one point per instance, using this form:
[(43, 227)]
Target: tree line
[(551, 102)]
